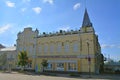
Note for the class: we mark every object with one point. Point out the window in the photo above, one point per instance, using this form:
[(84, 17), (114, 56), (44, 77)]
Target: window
[(11, 56), (72, 66), (29, 65), (49, 67), (75, 47), (59, 47), (27, 49), (67, 47), (52, 48), (31, 49), (45, 48), (60, 66), (40, 49), (20, 49)]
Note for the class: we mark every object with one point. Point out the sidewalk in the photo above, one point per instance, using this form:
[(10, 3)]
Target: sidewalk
[(83, 76)]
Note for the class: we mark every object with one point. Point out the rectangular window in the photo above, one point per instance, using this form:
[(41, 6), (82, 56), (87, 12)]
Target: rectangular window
[(59, 48), (49, 67), (45, 48), (20, 49), (29, 65), (31, 50), (60, 66), (72, 66), (66, 47), (40, 49), (52, 48), (75, 47)]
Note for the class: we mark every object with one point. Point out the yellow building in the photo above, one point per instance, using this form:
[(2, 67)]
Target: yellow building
[(75, 50)]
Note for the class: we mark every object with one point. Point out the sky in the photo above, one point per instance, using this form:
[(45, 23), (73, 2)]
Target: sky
[(53, 15)]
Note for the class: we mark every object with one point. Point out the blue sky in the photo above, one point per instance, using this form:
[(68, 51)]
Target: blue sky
[(53, 15)]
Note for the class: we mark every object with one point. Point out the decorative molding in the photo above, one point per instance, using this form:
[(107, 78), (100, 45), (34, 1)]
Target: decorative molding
[(68, 56)]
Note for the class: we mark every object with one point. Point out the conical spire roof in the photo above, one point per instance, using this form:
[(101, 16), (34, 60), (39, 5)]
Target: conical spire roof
[(86, 20)]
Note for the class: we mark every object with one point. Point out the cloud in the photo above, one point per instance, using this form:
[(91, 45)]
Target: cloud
[(48, 1), (108, 46), (37, 10), (76, 6), (23, 9), (65, 28), (5, 28), (29, 25), (10, 4)]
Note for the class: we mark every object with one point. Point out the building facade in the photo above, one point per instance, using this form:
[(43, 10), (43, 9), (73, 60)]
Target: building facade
[(75, 50), (8, 57)]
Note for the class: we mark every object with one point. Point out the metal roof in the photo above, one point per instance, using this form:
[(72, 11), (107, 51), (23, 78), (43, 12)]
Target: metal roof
[(12, 48), (86, 20)]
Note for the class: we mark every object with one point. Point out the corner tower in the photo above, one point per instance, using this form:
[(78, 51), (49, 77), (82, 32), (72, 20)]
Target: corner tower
[(90, 46), (86, 25)]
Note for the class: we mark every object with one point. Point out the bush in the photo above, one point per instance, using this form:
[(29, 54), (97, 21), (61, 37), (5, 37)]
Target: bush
[(117, 71), (74, 75)]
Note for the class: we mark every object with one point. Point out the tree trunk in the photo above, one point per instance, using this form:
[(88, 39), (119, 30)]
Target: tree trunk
[(43, 69)]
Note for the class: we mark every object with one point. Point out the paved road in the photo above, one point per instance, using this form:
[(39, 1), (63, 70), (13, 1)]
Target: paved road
[(18, 76)]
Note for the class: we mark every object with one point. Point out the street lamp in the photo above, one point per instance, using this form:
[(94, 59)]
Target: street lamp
[(89, 59)]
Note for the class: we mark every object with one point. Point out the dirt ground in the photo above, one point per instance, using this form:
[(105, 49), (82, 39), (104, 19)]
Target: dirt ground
[(21, 76)]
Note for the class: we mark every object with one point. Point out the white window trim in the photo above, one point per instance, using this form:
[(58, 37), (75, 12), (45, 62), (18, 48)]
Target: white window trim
[(76, 66), (58, 69), (75, 47), (49, 68)]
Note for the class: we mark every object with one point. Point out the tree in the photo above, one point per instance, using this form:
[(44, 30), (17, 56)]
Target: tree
[(44, 64), (119, 61), (3, 60), (101, 69), (22, 59)]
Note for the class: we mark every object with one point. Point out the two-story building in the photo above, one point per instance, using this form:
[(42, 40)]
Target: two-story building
[(75, 50)]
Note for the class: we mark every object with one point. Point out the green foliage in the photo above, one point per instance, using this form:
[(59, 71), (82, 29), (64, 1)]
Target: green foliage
[(3, 59), (22, 58), (74, 75), (44, 63), (119, 61)]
